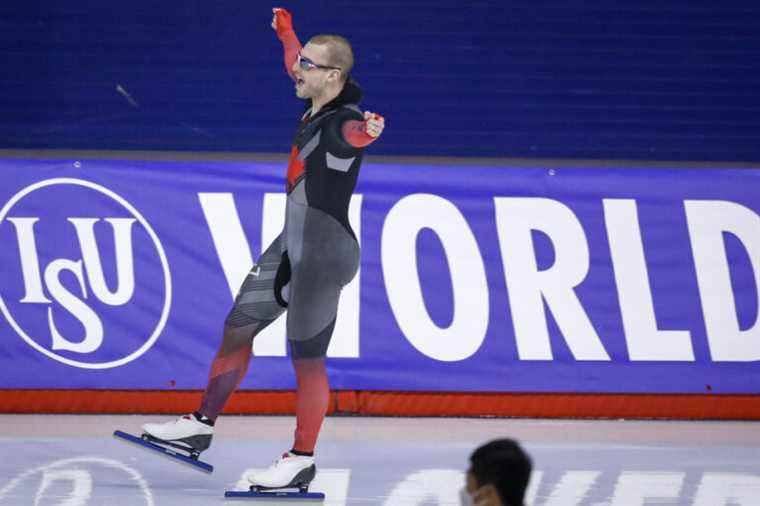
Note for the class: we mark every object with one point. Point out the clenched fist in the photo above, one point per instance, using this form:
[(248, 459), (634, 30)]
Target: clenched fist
[(374, 123)]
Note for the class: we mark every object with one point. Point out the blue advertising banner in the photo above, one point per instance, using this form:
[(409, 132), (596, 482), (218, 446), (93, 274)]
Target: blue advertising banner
[(118, 274)]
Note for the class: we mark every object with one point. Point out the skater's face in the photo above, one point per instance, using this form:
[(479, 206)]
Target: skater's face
[(312, 73)]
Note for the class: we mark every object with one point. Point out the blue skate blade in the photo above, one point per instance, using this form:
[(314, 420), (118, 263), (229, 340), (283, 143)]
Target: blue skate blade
[(275, 494), (169, 452)]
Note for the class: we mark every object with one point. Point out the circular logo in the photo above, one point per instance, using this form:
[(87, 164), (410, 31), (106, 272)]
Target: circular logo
[(77, 480), (63, 297)]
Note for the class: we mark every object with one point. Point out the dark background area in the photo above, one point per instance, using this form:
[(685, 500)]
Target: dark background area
[(649, 80)]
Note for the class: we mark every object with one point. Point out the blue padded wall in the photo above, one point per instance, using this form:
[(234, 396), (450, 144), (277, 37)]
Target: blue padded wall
[(677, 80)]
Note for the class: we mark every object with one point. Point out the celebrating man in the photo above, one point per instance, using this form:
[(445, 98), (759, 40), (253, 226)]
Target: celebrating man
[(307, 265)]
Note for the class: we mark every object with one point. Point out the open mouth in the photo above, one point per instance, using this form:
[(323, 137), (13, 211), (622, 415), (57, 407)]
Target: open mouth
[(299, 82)]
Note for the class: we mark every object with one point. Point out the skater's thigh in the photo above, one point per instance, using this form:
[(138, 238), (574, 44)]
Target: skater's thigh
[(329, 260), (311, 313), (259, 300)]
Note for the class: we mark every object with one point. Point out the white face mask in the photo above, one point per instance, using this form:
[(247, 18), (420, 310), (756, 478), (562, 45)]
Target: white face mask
[(465, 499)]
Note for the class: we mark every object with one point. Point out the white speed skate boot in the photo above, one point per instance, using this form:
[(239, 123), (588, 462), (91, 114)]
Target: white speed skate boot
[(289, 471), (185, 433)]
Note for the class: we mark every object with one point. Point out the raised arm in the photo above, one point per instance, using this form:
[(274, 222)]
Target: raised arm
[(282, 23), (363, 133)]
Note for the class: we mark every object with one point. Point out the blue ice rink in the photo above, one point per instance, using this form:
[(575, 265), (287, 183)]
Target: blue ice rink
[(75, 461)]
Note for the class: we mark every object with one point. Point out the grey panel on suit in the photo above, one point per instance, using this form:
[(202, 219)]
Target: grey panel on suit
[(310, 146), (340, 164)]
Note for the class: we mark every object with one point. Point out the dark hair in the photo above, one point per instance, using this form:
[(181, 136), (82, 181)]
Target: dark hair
[(505, 465)]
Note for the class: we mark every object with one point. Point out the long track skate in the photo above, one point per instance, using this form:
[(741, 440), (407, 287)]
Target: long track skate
[(301, 483), (185, 454)]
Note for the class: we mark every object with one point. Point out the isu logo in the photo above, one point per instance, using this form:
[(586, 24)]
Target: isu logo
[(74, 270)]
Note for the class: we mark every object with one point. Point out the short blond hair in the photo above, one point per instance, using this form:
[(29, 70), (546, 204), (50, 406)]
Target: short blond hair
[(339, 52)]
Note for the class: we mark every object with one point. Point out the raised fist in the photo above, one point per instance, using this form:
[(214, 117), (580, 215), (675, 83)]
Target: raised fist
[(282, 20)]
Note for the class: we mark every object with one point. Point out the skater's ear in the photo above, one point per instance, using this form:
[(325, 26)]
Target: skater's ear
[(487, 495)]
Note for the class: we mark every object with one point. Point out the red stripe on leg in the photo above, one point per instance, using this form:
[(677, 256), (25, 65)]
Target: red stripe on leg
[(238, 359), (226, 374), (312, 397)]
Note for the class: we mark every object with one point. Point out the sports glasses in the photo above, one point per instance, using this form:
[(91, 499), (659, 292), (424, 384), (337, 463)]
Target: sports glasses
[(307, 64)]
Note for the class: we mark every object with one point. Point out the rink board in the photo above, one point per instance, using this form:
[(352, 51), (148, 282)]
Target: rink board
[(118, 275)]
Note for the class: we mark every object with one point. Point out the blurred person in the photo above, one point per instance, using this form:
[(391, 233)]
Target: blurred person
[(498, 475), (307, 265)]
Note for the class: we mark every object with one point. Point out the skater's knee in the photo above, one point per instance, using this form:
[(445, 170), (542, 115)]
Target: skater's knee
[(314, 347), (237, 337)]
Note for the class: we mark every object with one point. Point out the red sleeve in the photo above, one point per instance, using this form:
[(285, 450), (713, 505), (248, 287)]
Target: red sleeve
[(290, 42), (355, 133), (292, 46)]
